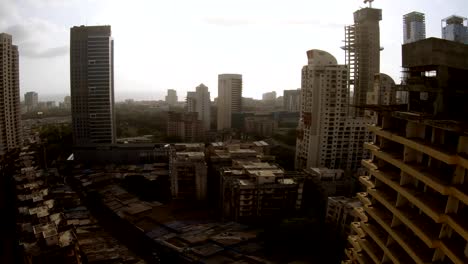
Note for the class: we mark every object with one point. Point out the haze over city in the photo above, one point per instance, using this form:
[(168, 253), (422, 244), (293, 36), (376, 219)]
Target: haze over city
[(163, 45)]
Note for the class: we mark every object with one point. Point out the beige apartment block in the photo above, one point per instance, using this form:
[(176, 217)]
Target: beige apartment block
[(10, 112)]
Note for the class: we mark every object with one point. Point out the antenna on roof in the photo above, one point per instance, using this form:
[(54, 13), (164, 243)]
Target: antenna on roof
[(370, 2)]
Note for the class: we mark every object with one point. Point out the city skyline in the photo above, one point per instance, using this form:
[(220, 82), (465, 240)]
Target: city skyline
[(287, 30)]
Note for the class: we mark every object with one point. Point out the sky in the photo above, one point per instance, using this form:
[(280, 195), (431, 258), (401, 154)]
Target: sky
[(161, 44)]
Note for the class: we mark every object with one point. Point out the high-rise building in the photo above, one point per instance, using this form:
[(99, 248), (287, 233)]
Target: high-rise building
[(414, 27), (416, 204), (92, 84), (30, 100), (229, 98), (455, 28), (327, 137), (269, 97), (171, 97), (67, 102), (362, 54), (199, 102), (10, 112), (292, 100)]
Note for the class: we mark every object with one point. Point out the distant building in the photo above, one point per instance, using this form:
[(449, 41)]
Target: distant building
[(260, 125), (253, 190), (50, 104), (92, 84), (332, 182), (30, 100), (171, 97), (414, 27), (340, 214), (10, 111), (185, 126), (292, 100), (455, 28), (67, 102), (384, 91), (199, 102), (327, 137), (362, 54), (269, 97), (188, 172), (229, 98)]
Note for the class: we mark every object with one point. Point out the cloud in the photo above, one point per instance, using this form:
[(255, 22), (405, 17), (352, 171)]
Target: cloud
[(27, 50), (33, 37), (230, 22)]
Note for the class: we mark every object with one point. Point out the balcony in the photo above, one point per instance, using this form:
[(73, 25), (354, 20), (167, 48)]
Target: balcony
[(356, 226), (366, 181), (454, 250), (362, 196), (385, 220), (437, 152), (421, 173), (460, 191), (359, 211), (395, 253), (430, 205), (459, 223), (372, 250), (418, 224), (353, 240), (362, 257)]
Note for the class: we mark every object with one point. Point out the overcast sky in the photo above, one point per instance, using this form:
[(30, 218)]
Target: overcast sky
[(175, 44)]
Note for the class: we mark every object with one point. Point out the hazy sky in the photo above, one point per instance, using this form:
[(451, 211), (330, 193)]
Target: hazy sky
[(175, 44)]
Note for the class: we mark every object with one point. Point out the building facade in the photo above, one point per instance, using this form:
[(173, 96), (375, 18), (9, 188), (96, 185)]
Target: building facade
[(362, 54), (171, 97), (30, 100), (292, 100), (455, 28), (10, 111), (340, 214), (255, 190), (188, 172), (414, 27), (327, 137), (92, 84), (184, 126), (229, 98), (269, 97), (199, 102), (416, 181)]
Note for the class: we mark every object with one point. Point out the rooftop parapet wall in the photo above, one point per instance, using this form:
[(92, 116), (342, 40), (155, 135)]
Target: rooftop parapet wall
[(434, 51)]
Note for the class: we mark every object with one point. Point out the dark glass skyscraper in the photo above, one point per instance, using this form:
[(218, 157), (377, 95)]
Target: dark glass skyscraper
[(92, 85)]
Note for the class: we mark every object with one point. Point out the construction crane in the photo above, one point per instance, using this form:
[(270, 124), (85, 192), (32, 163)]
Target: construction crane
[(369, 1)]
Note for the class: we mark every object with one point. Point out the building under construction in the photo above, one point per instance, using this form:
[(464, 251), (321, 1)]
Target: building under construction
[(362, 55), (416, 204)]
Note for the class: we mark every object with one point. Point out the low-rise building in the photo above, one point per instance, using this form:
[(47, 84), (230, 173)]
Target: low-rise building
[(253, 190), (188, 172), (340, 214)]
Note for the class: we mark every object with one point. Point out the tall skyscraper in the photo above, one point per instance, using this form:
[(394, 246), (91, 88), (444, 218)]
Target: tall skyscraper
[(455, 28), (30, 100), (10, 112), (292, 100), (92, 84), (229, 98), (327, 137), (171, 97), (199, 102), (414, 27), (362, 54), (416, 200)]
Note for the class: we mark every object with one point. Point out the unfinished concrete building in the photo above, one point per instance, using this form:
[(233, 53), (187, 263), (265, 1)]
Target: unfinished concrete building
[(416, 204), (340, 214), (362, 54), (188, 171), (254, 190)]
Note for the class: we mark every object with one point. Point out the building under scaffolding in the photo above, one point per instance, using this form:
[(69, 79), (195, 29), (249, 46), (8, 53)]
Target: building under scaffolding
[(416, 203), (362, 54)]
